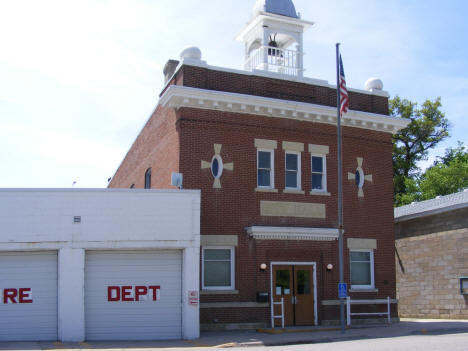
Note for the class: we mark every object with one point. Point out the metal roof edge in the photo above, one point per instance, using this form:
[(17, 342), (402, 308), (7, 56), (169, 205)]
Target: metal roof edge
[(430, 212)]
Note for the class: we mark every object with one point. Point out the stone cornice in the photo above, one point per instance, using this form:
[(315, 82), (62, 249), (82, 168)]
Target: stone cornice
[(177, 96), (292, 233)]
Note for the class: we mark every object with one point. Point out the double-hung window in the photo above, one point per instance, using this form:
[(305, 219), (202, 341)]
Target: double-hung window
[(218, 268), (318, 163), (266, 164), (362, 269), (293, 170), (265, 169), (319, 174)]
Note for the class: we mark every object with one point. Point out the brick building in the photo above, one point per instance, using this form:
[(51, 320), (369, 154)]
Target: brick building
[(261, 144), (431, 240)]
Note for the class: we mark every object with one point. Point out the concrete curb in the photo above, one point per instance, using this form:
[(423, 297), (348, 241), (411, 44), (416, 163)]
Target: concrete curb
[(304, 330)]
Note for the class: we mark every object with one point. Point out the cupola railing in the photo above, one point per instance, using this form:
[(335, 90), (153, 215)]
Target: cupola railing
[(273, 59)]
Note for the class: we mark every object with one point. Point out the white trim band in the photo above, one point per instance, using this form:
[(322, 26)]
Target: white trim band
[(177, 96), (292, 233)]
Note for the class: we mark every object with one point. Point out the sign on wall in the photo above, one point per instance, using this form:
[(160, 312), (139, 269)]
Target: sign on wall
[(130, 293), (193, 297)]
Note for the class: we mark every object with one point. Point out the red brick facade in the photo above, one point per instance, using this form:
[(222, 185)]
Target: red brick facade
[(178, 140)]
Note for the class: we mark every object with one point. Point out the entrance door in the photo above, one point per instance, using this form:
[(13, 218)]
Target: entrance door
[(294, 283), (304, 295)]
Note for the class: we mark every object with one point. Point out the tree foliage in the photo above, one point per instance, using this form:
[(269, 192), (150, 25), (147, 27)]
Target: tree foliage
[(427, 128), (448, 175)]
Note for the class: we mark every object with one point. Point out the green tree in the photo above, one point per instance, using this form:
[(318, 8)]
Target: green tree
[(448, 175), (412, 193), (427, 128)]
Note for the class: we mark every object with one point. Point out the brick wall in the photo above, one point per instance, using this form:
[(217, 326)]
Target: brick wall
[(236, 205), (156, 147), (204, 78), (429, 264)]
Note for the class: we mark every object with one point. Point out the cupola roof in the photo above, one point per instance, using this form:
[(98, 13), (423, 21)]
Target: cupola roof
[(278, 7)]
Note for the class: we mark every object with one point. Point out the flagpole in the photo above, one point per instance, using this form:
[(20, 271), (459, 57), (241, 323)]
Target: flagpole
[(340, 186)]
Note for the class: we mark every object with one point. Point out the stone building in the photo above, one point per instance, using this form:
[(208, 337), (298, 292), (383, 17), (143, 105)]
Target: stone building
[(431, 257), (261, 144)]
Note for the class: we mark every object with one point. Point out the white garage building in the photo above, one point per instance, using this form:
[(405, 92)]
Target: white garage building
[(107, 264)]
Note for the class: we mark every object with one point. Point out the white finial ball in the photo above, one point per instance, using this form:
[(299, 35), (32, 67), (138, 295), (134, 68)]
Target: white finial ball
[(373, 84), (192, 52)]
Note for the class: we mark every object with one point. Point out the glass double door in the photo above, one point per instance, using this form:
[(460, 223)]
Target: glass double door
[(294, 283)]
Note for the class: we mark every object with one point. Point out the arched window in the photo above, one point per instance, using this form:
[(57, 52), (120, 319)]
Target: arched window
[(148, 179)]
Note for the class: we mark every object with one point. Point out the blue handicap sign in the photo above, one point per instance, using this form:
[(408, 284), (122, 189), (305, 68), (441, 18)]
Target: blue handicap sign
[(342, 290)]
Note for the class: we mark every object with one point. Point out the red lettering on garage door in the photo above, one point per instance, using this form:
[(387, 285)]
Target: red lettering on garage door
[(113, 293), (130, 293), (155, 289), (10, 294), (22, 295), (25, 295), (140, 291), (127, 293)]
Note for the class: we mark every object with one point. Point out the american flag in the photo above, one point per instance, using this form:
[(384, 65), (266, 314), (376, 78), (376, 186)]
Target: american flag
[(344, 98)]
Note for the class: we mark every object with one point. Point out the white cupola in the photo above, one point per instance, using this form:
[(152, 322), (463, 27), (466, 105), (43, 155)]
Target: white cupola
[(273, 38)]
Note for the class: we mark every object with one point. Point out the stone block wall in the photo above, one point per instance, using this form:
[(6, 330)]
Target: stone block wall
[(428, 268)]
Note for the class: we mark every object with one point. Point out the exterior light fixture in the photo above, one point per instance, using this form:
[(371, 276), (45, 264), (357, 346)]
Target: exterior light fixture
[(263, 266), (329, 267)]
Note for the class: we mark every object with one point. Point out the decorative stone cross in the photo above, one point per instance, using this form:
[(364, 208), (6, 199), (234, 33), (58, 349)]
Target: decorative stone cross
[(217, 166), (359, 177)]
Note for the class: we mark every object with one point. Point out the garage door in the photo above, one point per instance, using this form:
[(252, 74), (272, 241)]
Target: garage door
[(133, 295), (28, 296)]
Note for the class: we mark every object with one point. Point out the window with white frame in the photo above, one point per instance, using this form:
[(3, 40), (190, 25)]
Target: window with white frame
[(265, 168), (361, 269), (293, 170), (218, 268), (319, 173)]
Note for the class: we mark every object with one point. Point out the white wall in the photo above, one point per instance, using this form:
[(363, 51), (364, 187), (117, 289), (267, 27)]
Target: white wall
[(106, 215), (71, 318), (43, 219), (190, 278)]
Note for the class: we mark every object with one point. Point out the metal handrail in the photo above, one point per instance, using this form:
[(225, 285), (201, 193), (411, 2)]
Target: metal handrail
[(279, 316), (349, 302)]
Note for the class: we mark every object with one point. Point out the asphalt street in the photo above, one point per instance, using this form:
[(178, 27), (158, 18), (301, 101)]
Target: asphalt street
[(450, 342), (414, 335)]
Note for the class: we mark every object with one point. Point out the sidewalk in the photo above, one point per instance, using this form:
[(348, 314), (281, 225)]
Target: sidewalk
[(291, 336)]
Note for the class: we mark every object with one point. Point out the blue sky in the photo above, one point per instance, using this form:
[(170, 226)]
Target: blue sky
[(78, 79)]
